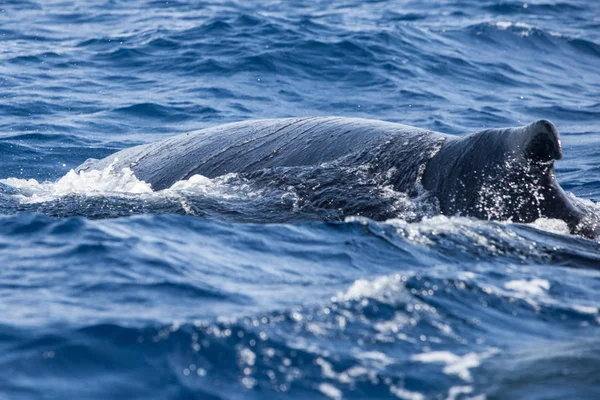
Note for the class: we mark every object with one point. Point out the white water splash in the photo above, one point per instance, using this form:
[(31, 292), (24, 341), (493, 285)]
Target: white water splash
[(523, 29), (330, 391), (533, 287), (455, 364), (551, 225), (111, 183), (90, 183), (585, 309), (469, 233), (404, 394), (386, 289)]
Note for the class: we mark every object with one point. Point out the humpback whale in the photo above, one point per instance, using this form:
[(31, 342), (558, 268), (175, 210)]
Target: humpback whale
[(496, 174)]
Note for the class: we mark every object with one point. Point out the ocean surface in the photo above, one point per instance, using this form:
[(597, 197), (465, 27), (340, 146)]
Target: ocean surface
[(261, 285)]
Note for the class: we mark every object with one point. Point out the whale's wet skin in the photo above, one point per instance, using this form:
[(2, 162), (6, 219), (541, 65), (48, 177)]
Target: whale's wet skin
[(504, 174), (226, 239)]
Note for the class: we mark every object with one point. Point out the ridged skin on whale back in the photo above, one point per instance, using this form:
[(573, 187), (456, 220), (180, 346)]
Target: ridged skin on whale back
[(503, 174), (254, 145)]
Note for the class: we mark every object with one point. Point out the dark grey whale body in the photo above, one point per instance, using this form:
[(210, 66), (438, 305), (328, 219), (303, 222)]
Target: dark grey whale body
[(503, 174)]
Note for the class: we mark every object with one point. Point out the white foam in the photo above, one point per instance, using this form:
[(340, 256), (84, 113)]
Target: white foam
[(504, 24), (525, 28), (585, 203), (375, 359), (92, 183), (218, 187), (356, 371), (454, 364), (586, 309), (456, 391), (478, 232), (330, 391), (364, 288), (247, 356), (386, 289), (466, 275), (404, 394), (551, 225), (393, 325), (123, 183), (532, 287)]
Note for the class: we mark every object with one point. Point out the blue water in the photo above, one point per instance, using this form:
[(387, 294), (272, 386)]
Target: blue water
[(248, 286)]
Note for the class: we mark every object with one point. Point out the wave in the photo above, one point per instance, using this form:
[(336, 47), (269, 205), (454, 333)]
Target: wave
[(404, 71), (264, 285), (281, 194), (416, 333), (160, 112), (523, 34), (509, 7)]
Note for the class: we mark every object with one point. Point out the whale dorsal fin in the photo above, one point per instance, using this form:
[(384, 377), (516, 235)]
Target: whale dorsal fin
[(541, 142)]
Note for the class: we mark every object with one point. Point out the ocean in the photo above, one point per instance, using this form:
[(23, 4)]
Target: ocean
[(261, 285)]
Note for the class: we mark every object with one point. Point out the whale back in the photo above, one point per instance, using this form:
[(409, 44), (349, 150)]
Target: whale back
[(499, 174), (272, 143), (502, 174)]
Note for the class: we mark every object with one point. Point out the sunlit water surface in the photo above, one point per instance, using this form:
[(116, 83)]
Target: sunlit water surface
[(259, 286)]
